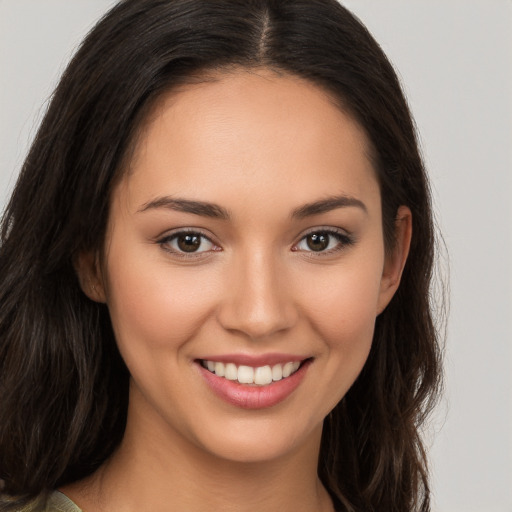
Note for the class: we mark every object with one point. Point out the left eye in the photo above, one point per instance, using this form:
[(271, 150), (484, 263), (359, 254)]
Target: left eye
[(322, 241), (187, 243)]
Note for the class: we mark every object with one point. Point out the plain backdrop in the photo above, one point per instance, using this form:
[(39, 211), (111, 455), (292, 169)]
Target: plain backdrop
[(455, 59)]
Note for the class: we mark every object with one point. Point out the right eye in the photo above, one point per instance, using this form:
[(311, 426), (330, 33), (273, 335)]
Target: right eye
[(187, 242)]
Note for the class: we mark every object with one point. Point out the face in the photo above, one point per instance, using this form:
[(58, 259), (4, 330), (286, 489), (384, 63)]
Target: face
[(245, 264)]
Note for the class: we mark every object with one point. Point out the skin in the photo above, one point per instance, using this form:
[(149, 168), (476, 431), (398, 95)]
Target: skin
[(260, 146)]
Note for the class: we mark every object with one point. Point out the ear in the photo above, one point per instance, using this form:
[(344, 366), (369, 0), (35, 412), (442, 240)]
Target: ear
[(88, 269), (395, 259)]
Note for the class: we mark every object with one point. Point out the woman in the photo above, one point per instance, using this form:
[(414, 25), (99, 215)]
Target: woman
[(215, 271)]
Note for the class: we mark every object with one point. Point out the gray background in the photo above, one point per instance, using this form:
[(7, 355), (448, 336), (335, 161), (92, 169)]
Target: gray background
[(455, 60)]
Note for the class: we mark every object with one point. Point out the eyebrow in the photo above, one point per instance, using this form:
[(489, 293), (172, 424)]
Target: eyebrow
[(215, 211), (188, 206), (326, 205)]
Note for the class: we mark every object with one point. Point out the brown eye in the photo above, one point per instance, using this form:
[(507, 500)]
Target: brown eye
[(324, 242), (188, 242), (318, 241)]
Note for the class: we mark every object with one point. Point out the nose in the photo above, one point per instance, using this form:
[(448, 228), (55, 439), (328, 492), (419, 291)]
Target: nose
[(257, 299)]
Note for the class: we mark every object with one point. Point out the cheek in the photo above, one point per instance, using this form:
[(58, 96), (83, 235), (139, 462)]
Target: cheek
[(342, 305), (339, 304), (157, 305)]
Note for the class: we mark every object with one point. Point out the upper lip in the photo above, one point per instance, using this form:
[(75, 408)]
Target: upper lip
[(255, 360)]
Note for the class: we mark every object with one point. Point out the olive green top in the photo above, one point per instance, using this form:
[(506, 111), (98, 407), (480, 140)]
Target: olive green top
[(59, 502), (56, 502)]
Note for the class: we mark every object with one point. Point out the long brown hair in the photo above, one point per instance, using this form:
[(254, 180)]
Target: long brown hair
[(63, 385)]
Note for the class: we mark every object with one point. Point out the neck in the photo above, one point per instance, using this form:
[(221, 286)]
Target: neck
[(156, 469)]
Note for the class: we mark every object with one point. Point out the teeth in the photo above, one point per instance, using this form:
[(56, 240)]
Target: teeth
[(219, 369), (277, 372), (245, 375), (287, 370), (261, 376), (231, 372)]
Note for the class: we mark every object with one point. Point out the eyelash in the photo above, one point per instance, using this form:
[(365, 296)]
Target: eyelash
[(168, 239), (344, 241)]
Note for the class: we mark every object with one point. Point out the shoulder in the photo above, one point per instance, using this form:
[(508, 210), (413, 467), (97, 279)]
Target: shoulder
[(58, 502)]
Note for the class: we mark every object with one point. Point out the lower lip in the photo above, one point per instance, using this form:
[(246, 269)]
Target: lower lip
[(254, 397)]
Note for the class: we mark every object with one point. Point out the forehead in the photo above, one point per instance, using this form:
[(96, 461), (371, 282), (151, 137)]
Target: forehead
[(253, 131)]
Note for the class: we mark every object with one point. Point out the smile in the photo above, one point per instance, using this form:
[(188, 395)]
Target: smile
[(253, 382), (259, 376)]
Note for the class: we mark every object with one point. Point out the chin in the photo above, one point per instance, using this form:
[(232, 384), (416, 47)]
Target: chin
[(252, 442)]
